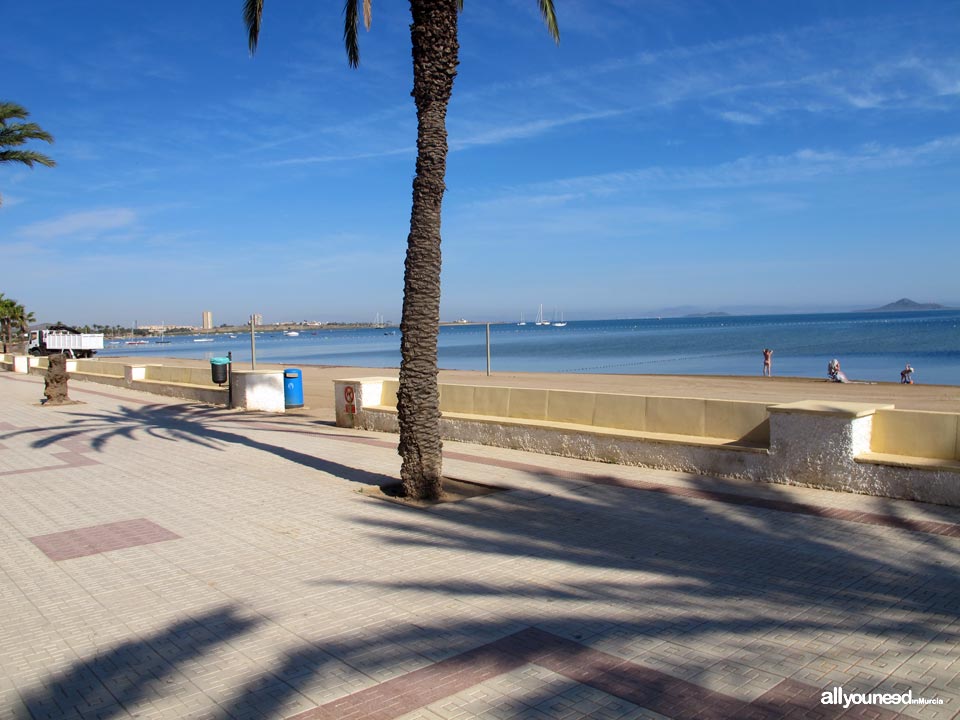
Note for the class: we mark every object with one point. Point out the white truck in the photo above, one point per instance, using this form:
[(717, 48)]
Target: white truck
[(65, 340)]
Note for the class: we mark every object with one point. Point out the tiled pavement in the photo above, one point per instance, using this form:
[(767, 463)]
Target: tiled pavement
[(162, 560)]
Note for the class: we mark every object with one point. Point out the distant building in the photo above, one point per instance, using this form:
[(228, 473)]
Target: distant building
[(207, 320)]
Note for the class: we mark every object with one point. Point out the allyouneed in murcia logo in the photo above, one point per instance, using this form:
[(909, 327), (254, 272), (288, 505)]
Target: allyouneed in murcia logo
[(836, 696)]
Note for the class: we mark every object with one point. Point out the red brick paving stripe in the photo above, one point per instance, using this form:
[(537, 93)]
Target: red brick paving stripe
[(101, 538), (640, 685), (68, 460), (422, 687)]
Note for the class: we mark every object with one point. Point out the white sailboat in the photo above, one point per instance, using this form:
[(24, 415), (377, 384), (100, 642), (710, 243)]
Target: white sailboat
[(562, 323), (540, 320), (522, 322)]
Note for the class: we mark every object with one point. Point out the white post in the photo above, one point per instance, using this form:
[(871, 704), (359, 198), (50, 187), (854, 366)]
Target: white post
[(488, 349), (253, 342)]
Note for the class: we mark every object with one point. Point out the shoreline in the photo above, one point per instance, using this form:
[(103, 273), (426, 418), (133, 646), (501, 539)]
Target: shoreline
[(319, 401)]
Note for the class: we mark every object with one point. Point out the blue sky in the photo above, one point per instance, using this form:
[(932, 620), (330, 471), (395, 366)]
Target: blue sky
[(739, 156)]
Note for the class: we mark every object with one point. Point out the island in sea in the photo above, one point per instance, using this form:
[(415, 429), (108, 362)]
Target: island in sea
[(906, 304)]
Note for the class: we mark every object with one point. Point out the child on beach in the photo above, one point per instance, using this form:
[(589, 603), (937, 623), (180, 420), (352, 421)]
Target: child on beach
[(906, 375), (767, 359)]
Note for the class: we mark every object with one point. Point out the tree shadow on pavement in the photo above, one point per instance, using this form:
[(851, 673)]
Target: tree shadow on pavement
[(686, 589), (112, 683), (191, 424)]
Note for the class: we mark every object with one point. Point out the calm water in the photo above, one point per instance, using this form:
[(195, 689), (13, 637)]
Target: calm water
[(870, 346)]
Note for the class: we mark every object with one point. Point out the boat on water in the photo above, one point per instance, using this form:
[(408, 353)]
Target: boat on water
[(522, 321), (135, 342), (292, 333), (203, 339), (561, 323), (540, 320)]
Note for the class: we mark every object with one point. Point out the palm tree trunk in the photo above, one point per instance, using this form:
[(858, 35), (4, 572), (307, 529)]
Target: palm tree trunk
[(435, 59)]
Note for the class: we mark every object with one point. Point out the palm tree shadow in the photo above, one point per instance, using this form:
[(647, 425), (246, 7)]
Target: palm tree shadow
[(111, 683), (185, 423), (670, 573)]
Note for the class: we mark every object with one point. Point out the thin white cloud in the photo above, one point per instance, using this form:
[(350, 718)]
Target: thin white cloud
[(494, 135), (803, 165), (741, 118), (322, 159), (504, 133), (83, 224)]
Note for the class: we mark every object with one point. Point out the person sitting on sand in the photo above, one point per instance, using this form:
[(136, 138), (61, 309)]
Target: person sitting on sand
[(834, 372), (906, 375), (767, 358)]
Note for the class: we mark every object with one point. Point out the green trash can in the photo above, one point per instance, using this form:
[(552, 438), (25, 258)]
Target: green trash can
[(220, 369)]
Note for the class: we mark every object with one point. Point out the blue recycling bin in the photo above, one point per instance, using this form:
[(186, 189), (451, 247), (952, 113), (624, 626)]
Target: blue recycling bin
[(292, 388)]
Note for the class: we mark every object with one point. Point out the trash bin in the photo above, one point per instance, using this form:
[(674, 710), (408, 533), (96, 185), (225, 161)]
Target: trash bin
[(219, 369), (292, 388)]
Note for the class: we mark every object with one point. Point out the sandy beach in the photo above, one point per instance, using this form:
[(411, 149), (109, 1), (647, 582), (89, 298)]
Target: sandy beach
[(318, 385)]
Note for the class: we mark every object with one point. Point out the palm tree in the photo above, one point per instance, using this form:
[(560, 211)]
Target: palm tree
[(15, 134), (6, 318), (13, 316), (436, 52)]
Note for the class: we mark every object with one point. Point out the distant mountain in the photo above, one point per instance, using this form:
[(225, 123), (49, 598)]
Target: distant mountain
[(708, 315), (907, 304)]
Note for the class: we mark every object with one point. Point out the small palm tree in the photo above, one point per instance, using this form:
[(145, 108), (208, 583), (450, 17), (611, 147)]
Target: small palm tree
[(13, 316), (15, 134), (436, 51), (22, 319)]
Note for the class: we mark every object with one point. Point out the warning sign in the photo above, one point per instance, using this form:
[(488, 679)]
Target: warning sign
[(348, 394), (348, 397)]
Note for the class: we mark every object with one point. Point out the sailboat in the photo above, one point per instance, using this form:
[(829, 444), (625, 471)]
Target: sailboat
[(522, 322), (540, 320), (562, 323), (162, 340)]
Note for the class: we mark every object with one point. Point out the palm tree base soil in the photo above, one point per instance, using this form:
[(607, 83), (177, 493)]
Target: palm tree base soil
[(453, 491)]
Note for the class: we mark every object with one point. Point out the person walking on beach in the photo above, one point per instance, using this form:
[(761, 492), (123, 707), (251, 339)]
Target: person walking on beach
[(767, 360), (906, 375)]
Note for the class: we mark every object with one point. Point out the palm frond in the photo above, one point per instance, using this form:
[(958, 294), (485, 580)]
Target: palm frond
[(11, 111), (351, 27), (550, 18), (367, 13), (27, 157), (18, 134), (252, 17)]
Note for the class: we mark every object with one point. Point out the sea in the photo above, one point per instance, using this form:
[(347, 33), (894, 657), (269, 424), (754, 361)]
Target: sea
[(871, 346)]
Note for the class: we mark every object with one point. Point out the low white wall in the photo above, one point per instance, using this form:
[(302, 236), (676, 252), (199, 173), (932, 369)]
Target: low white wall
[(816, 444), (258, 390)]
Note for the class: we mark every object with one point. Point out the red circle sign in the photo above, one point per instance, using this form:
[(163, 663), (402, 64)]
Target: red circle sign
[(348, 394)]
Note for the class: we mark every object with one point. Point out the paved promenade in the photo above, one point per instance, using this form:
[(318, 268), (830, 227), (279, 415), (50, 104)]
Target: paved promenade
[(170, 560)]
